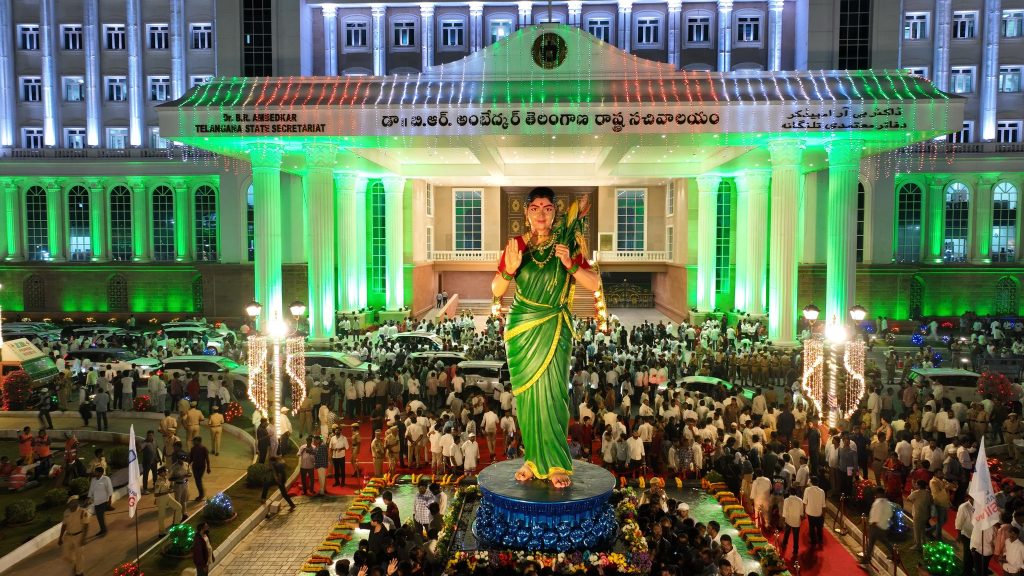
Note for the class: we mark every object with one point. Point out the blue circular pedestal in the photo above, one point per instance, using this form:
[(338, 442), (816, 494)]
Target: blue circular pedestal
[(535, 516)]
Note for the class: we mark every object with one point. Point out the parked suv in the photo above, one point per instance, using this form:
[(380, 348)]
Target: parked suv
[(235, 375), (419, 340), (120, 358), (210, 339), (489, 376), (339, 365)]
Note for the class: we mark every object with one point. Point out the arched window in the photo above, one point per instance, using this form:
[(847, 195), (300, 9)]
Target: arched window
[(647, 30), (1006, 297), (908, 223), (954, 243), (500, 25), (723, 235), (1004, 222), (78, 224), (404, 33), (121, 224), (163, 224), (916, 298), (698, 28), (250, 223), (117, 293), (34, 289), (747, 66), (356, 30), (206, 224), (699, 67), (36, 224)]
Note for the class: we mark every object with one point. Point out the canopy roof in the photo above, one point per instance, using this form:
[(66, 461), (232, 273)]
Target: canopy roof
[(588, 106)]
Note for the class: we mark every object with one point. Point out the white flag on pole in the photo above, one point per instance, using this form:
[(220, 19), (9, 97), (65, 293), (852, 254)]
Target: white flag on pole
[(134, 477), (986, 510)]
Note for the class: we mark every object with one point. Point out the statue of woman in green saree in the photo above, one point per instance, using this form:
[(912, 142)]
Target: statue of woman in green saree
[(547, 264)]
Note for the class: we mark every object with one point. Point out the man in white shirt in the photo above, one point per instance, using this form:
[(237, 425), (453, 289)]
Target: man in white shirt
[(489, 424), (1013, 554), (636, 452), (761, 495), (814, 509), (964, 524), (878, 523), (792, 515), (730, 554), (338, 449), (100, 493)]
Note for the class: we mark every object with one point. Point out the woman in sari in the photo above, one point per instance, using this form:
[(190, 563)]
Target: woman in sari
[(539, 334)]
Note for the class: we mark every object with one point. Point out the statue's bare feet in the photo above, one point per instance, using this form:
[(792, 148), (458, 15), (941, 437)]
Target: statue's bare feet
[(524, 474), (560, 480)]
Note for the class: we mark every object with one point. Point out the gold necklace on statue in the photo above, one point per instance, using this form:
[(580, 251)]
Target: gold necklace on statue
[(541, 247)]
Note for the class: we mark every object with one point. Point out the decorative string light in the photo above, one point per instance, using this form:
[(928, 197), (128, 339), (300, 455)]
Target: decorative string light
[(813, 379), (940, 559), (295, 366), (853, 362), (257, 362), (181, 537)]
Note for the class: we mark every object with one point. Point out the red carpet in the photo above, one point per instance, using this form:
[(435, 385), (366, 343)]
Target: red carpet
[(813, 560)]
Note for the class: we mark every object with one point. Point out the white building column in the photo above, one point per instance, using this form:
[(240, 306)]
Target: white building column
[(800, 35), (48, 65), (183, 221), (7, 97), (330, 13), (427, 32), (380, 54), (675, 9), (93, 82), (320, 243), (141, 242), (476, 26), (266, 187), (56, 223), (351, 190), (176, 29), (786, 199), (775, 34), (624, 25), (940, 60), (525, 13), (99, 224), (751, 231), (981, 205), (12, 194), (707, 188), (394, 246), (136, 81), (841, 247), (724, 35), (992, 26), (575, 10)]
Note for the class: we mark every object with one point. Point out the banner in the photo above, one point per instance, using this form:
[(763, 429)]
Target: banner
[(134, 478), (986, 510)]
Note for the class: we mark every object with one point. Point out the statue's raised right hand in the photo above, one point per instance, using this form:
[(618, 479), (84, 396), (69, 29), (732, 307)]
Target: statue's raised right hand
[(513, 257)]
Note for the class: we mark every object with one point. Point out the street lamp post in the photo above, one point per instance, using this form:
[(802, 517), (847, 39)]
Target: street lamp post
[(832, 361), (276, 332)]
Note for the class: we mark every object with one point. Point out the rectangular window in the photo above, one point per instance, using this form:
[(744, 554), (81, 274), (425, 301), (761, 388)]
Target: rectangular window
[(404, 34), (723, 236), (670, 242), (860, 222), (648, 31), (429, 241), (468, 219), (1013, 23), (964, 25), (74, 137), (356, 34), (73, 88), (698, 30), (964, 135), (155, 141), (453, 33), (854, 35), (499, 29), (199, 80), (71, 36), (630, 220), (430, 200), (159, 88), (157, 36), (601, 28), (908, 223), (1009, 78), (117, 138), (31, 137), (1008, 131), (377, 277), (28, 37), (961, 80), (113, 36), (201, 36), (748, 29), (922, 72), (1004, 222), (915, 25), (31, 89), (670, 198), (954, 245), (116, 88), (257, 38)]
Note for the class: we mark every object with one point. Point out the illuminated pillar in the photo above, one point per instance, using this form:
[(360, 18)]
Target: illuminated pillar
[(394, 257), (361, 242), (351, 191), (934, 221), (12, 217), (707, 188), (625, 24), (525, 12), (476, 26), (786, 199), (981, 206), (136, 83), (99, 237), (751, 231), (675, 8), (48, 64), (56, 221), (93, 80), (182, 222), (724, 35), (141, 245), (575, 8), (379, 52), (943, 23), (427, 31), (800, 35), (330, 12), (775, 35), (320, 243), (841, 249), (7, 97), (266, 187), (179, 82), (992, 15)]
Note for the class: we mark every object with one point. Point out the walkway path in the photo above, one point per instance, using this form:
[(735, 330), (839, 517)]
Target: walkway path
[(102, 555)]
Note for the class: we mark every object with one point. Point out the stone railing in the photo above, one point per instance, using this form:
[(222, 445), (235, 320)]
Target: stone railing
[(633, 256), (171, 153), (968, 147), (464, 255)]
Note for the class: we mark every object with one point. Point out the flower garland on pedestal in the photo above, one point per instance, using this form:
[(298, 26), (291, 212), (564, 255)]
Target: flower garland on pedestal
[(766, 554)]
